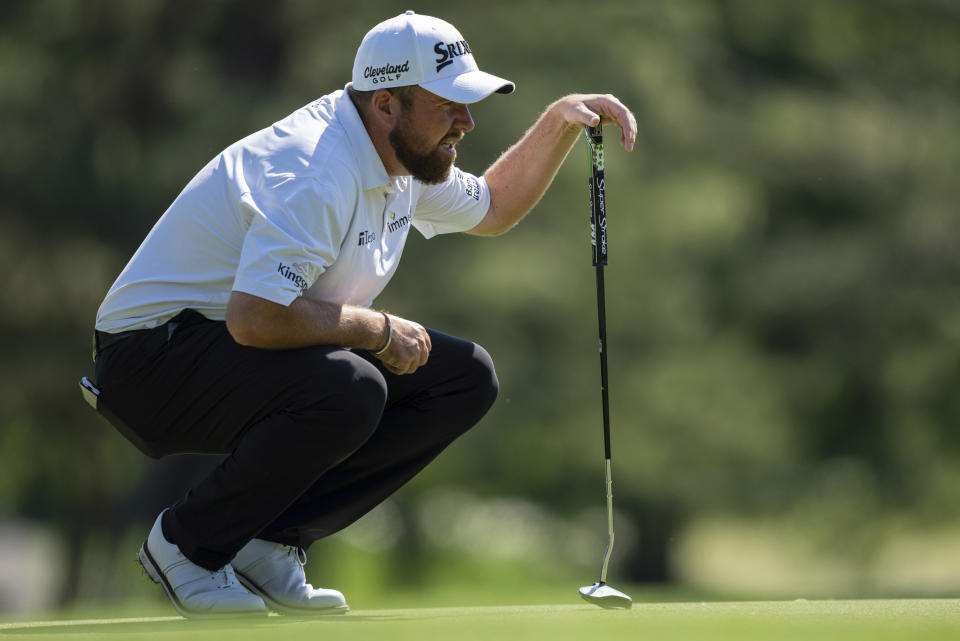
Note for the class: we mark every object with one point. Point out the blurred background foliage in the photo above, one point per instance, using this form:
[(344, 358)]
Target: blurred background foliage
[(783, 304)]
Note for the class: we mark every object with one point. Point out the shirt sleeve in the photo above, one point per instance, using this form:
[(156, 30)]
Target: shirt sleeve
[(295, 234), (457, 204)]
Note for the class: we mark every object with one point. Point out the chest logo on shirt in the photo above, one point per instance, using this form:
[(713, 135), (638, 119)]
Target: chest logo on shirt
[(367, 237), (397, 223)]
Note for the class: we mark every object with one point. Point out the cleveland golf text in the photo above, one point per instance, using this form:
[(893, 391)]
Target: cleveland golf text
[(386, 73)]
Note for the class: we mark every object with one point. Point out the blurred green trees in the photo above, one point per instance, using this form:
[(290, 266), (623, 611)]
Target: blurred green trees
[(782, 291)]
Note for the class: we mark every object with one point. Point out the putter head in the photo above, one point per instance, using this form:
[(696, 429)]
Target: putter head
[(606, 597)]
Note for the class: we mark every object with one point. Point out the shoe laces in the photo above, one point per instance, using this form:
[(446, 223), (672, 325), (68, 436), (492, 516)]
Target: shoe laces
[(224, 578), (298, 553)]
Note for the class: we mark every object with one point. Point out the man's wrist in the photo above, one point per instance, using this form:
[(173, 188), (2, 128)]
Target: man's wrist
[(388, 330)]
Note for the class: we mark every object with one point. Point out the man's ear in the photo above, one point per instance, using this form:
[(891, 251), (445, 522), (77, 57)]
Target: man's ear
[(385, 107)]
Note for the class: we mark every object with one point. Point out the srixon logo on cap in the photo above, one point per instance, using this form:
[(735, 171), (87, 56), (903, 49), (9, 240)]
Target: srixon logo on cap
[(449, 51)]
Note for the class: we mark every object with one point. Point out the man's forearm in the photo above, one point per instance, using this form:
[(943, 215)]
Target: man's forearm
[(257, 322), (519, 178)]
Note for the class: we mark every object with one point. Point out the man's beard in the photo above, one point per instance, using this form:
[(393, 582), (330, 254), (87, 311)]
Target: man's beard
[(430, 168)]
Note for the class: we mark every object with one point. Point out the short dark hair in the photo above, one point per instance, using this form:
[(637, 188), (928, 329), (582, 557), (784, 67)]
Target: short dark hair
[(404, 94)]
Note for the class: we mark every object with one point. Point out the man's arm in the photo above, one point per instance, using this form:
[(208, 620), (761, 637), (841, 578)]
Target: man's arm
[(519, 178), (257, 322)]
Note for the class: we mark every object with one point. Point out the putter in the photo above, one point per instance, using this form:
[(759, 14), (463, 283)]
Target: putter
[(600, 593)]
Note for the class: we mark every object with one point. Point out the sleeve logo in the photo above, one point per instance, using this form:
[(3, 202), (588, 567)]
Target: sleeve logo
[(471, 186), (300, 274)]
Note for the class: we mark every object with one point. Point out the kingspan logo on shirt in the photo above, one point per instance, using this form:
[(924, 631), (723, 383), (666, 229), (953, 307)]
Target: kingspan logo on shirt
[(296, 273)]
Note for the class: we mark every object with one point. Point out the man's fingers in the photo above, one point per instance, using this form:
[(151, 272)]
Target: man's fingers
[(628, 137), (628, 127), (410, 349), (586, 116), (393, 369), (618, 114), (593, 109), (409, 365), (423, 347)]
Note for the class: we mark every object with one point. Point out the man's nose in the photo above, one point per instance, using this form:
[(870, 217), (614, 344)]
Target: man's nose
[(463, 121)]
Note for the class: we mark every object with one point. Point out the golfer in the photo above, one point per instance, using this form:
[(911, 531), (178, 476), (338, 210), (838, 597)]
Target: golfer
[(244, 324)]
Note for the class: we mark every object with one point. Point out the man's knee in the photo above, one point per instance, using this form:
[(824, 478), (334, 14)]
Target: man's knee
[(364, 399), (349, 398), (482, 383)]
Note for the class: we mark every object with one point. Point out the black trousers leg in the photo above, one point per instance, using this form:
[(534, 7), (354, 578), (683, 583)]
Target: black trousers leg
[(283, 417), (295, 424), (425, 412)]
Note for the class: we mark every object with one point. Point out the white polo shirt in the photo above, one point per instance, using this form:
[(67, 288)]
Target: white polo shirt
[(301, 208)]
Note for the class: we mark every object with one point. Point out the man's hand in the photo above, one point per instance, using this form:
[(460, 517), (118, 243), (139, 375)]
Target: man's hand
[(594, 109), (522, 174), (409, 347)]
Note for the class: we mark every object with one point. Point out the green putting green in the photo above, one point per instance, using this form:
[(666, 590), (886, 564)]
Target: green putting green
[(869, 620)]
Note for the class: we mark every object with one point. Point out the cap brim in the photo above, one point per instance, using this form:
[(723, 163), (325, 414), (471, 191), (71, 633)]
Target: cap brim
[(468, 87)]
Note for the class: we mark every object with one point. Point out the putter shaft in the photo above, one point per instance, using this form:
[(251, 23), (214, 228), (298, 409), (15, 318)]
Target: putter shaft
[(600, 593), (605, 398), (606, 554)]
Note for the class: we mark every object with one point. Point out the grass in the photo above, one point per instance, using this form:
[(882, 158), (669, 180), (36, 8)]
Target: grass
[(873, 620)]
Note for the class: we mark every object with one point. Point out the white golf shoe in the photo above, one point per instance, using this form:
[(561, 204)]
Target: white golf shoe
[(275, 572), (195, 591)]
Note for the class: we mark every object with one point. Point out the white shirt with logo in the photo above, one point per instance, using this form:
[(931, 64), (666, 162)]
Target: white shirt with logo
[(301, 208)]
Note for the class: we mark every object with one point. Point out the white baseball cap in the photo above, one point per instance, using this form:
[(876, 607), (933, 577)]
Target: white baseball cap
[(411, 49)]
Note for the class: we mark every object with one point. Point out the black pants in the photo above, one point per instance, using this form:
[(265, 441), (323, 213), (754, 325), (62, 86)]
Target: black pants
[(316, 437)]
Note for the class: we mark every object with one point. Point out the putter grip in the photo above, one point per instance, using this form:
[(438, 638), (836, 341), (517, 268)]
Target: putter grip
[(598, 200)]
